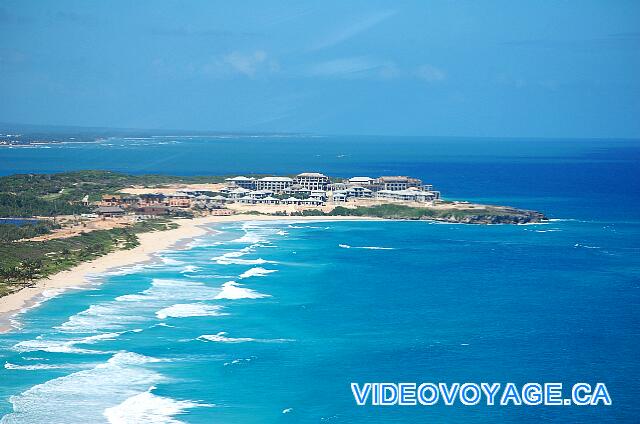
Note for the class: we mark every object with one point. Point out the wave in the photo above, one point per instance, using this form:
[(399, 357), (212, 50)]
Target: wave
[(258, 261), (222, 337), (171, 261), (257, 272), (35, 367), (147, 407), (346, 246), (137, 308), (182, 310), (63, 346), (81, 397), (239, 361), (189, 269), (585, 246), (232, 290), (234, 254)]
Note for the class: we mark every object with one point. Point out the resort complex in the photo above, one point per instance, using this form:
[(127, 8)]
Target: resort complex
[(285, 194)]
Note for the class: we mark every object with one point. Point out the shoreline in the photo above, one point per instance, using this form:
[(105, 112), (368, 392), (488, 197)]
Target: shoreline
[(150, 244)]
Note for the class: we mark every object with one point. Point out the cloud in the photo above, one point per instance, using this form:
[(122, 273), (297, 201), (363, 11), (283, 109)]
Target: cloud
[(351, 31), (246, 64), (203, 33), (344, 68), (430, 73)]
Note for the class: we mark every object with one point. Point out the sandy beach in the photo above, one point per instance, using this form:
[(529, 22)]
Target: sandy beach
[(150, 243)]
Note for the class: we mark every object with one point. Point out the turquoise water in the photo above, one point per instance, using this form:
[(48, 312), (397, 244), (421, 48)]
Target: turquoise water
[(316, 305), (268, 322)]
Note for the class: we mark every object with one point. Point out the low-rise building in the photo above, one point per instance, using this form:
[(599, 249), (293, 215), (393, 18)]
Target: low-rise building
[(243, 182), (151, 211), (110, 200), (109, 211), (359, 191), (275, 184), (179, 200), (361, 181), (312, 180), (408, 195), (397, 182), (152, 199), (239, 193)]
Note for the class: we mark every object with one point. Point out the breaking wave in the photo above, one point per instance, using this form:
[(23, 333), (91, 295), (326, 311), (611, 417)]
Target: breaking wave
[(182, 310), (346, 246), (81, 397), (257, 272), (232, 290), (147, 407)]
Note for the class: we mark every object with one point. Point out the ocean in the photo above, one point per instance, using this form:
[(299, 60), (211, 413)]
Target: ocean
[(269, 322)]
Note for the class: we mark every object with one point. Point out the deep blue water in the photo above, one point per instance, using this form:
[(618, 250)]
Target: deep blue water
[(557, 302)]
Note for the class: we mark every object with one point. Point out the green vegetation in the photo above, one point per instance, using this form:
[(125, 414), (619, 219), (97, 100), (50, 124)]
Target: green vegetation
[(23, 262), (25, 195), (485, 215), (10, 232)]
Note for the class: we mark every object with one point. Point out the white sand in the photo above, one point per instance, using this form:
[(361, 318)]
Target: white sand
[(149, 244)]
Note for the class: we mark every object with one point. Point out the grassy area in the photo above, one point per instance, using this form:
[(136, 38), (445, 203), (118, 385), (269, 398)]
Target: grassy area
[(485, 215), (11, 232), (23, 262), (25, 195)]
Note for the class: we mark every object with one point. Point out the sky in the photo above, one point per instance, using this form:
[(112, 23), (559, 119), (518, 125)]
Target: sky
[(430, 68)]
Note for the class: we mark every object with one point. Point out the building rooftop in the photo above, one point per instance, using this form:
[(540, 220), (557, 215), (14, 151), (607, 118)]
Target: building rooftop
[(108, 209), (279, 179), (240, 178), (312, 174)]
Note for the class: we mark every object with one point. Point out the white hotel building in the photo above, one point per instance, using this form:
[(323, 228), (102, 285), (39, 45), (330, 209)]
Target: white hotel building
[(274, 184), (312, 180)]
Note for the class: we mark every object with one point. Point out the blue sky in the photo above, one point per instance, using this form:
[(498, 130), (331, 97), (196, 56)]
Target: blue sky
[(451, 68)]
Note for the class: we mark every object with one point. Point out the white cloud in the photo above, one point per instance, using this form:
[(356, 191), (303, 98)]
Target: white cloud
[(430, 73), (246, 64), (344, 68), (352, 30), (249, 64)]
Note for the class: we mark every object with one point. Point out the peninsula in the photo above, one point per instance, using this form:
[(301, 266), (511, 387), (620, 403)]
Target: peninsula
[(53, 223)]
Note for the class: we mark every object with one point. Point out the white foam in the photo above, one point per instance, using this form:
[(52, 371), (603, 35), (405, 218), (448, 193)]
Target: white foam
[(346, 246), (171, 261), (182, 310), (146, 407), (189, 269), (34, 367), (63, 346), (258, 261), (137, 308), (585, 246), (81, 397), (232, 290), (257, 272), (287, 410), (233, 258), (222, 338)]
